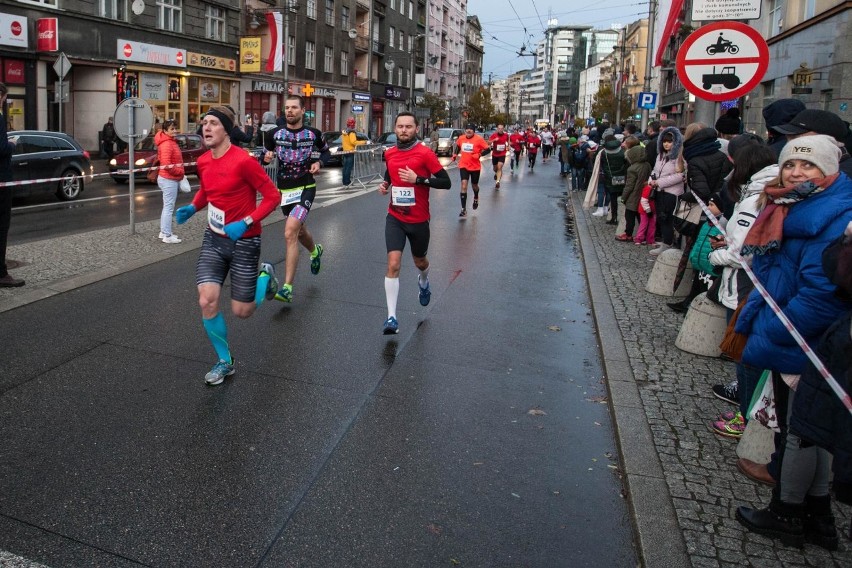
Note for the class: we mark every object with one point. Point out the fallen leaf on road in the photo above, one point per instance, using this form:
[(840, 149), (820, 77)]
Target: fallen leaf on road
[(554, 328), (536, 412), (602, 399)]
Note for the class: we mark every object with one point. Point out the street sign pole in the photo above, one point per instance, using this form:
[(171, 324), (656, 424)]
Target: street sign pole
[(649, 60), (61, 66), (127, 124)]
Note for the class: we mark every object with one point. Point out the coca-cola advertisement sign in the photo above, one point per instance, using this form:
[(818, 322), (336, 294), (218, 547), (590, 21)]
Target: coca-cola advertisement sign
[(13, 71), (13, 31), (48, 34)]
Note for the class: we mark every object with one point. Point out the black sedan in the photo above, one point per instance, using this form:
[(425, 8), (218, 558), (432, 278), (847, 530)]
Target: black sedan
[(55, 159)]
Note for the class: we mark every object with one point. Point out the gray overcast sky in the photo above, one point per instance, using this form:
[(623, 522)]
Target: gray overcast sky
[(505, 20)]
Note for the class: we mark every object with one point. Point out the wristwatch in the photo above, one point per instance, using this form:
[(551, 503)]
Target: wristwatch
[(248, 220)]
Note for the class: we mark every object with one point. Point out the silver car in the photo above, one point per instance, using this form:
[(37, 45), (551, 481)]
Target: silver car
[(446, 138)]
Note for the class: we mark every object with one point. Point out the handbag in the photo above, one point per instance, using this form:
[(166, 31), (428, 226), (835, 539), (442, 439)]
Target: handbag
[(762, 405), (184, 186), (154, 172), (686, 217), (733, 343), (614, 180)]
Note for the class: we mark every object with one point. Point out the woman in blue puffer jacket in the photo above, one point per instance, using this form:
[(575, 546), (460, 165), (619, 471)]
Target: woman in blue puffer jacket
[(806, 210)]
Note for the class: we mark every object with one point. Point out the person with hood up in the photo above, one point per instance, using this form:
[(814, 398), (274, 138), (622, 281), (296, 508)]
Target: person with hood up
[(727, 126), (614, 170), (780, 112), (806, 209), (266, 127), (667, 178), (638, 171), (168, 180)]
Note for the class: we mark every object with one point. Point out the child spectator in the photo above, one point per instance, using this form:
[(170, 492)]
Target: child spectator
[(638, 170)]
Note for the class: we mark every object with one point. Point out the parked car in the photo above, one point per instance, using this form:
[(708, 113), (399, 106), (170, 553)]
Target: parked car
[(388, 140), (334, 139), (50, 155), (446, 138), (191, 147)]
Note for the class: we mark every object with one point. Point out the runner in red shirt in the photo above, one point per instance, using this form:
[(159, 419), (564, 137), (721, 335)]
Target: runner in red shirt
[(516, 141), (230, 181), (468, 149), (412, 169), (499, 147), (533, 144)]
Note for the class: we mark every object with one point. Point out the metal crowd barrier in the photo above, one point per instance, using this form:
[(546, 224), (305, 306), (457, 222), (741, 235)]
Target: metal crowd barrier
[(369, 165)]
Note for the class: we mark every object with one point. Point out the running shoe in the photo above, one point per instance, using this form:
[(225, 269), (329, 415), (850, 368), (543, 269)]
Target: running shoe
[(476, 204), (171, 240), (425, 294), (729, 428), (391, 326), (497, 185), (315, 260), (272, 283), (728, 393), (219, 371), (463, 213), (285, 294)]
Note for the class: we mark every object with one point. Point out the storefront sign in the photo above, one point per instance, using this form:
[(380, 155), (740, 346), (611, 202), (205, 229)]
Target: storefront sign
[(267, 86), (13, 71), (48, 34), (357, 108), (210, 61), (148, 53), (322, 92), (153, 86), (13, 30), (250, 55), (391, 93), (363, 97)]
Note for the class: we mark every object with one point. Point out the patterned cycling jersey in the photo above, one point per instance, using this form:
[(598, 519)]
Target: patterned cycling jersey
[(296, 150)]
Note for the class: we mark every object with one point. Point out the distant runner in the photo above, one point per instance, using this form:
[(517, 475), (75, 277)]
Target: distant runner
[(499, 147), (470, 147)]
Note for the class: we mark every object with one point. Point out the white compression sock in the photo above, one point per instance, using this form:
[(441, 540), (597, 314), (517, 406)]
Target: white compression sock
[(391, 293), (424, 277)]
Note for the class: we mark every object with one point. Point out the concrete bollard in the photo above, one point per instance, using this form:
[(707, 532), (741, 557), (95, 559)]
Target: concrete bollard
[(703, 327), (663, 275)]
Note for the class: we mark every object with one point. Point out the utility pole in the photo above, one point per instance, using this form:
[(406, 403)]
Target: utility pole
[(649, 59)]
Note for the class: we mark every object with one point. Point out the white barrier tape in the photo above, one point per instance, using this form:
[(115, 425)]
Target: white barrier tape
[(93, 176), (809, 353)]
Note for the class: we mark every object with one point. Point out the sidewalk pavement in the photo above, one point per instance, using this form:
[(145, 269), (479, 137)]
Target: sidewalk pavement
[(694, 468), (683, 486)]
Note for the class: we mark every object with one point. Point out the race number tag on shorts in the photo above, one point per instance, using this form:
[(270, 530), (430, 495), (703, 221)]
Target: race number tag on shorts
[(501, 147), (467, 147), (402, 196), (291, 197), (216, 219)]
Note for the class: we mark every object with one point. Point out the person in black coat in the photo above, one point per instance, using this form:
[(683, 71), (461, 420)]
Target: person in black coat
[(814, 121), (7, 148), (653, 132), (780, 112)]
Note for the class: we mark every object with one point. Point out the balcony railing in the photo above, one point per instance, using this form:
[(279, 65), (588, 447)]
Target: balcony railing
[(361, 83), (378, 47), (362, 43)]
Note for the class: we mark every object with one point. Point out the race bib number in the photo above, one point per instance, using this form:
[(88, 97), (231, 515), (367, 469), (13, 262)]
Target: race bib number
[(402, 196), (291, 197), (467, 147), (216, 219), (500, 147)]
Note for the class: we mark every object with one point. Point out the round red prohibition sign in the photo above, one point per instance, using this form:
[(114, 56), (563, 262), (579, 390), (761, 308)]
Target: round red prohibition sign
[(722, 61)]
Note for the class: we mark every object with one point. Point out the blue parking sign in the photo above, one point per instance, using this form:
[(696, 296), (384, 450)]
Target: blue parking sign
[(647, 100)]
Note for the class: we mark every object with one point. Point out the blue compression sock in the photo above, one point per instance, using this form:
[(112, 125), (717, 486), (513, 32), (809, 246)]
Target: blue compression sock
[(260, 291), (217, 331)]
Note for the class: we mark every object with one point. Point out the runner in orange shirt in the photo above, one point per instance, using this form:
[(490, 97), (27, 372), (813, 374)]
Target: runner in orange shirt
[(467, 150)]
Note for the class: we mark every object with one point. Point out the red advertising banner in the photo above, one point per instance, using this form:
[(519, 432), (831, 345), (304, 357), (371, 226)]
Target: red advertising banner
[(47, 31), (13, 71)]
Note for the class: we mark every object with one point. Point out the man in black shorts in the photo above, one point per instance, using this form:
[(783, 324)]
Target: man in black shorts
[(230, 180), (412, 169), (467, 150), (294, 145)]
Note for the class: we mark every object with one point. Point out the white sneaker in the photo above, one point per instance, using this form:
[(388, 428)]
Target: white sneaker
[(171, 240), (161, 236), (659, 249), (599, 212)]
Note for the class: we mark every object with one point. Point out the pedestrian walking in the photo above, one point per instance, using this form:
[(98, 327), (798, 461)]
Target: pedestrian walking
[(7, 148)]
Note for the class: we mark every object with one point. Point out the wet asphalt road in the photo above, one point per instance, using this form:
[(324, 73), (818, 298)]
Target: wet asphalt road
[(476, 437)]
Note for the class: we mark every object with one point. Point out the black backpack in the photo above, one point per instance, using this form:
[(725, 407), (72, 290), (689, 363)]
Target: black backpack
[(580, 154)]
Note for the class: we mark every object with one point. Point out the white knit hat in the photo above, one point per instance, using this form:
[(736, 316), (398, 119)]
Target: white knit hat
[(819, 149)]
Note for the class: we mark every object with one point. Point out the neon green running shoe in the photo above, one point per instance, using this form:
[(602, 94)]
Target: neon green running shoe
[(315, 261), (285, 294)]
